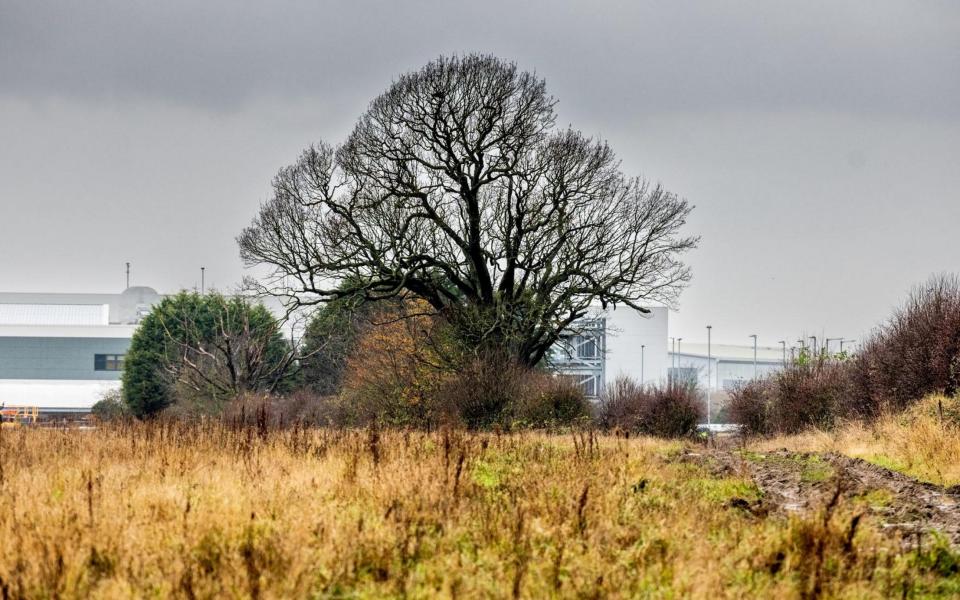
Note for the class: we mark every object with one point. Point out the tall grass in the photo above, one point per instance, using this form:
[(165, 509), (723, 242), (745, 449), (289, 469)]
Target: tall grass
[(208, 510)]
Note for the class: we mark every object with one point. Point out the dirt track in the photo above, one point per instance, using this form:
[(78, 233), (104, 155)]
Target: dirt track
[(800, 482)]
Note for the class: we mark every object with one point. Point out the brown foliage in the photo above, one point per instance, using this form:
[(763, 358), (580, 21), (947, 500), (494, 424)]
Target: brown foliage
[(916, 353), (808, 393), (503, 392), (393, 372), (672, 410)]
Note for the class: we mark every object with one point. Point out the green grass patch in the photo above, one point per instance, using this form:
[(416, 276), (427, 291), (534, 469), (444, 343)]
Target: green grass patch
[(724, 489), (887, 462), (812, 468)]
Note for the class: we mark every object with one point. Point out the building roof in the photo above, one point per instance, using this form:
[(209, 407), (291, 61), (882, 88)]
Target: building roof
[(68, 331), (54, 314), (127, 307), (729, 352)]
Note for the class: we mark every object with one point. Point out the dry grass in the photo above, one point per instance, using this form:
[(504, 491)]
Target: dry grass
[(923, 442), (207, 511)]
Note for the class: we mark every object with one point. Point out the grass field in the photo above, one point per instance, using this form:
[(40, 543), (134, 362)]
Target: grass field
[(208, 511)]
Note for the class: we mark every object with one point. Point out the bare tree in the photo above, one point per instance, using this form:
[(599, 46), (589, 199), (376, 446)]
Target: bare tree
[(197, 351), (227, 350), (456, 187)]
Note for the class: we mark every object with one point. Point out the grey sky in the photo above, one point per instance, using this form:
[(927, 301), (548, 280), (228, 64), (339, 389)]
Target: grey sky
[(819, 140)]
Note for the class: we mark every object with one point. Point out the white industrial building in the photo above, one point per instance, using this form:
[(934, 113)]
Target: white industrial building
[(62, 352), (623, 342), (612, 343), (723, 366)]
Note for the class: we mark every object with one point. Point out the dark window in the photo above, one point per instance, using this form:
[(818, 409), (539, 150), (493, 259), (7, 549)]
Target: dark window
[(587, 347), (107, 362)]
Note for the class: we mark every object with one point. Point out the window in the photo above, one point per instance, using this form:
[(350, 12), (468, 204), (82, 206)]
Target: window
[(107, 362), (587, 347)]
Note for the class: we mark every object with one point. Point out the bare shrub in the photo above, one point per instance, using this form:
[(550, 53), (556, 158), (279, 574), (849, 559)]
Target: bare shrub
[(110, 407), (671, 410), (499, 391), (748, 406), (916, 353), (482, 390), (811, 392), (549, 401), (303, 408)]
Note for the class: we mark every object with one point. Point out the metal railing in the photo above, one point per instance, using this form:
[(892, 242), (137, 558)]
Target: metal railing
[(14, 416)]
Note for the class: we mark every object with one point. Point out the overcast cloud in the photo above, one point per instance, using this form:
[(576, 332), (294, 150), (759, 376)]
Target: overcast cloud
[(819, 140)]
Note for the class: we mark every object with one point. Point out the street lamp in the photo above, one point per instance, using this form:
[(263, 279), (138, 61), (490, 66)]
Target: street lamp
[(814, 338), (679, 339), (827, 341), (642, 346), (783, 343), (842, 341), (709, 375), (754, 336), (673, 357)]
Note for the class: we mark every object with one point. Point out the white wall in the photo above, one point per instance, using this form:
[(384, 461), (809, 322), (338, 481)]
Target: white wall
[(627, 331), (55, 395), (721, 369)]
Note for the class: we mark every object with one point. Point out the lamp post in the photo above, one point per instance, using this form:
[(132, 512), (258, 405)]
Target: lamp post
[(783, 343), (814, 348), (679, 339), (642, 347), (709, 374), (203, 272), (754, 336), (673, 358), (842, 341), (826, 344)]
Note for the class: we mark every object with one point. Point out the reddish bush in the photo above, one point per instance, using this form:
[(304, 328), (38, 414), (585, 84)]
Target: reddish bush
[(302, 407), (499, 391), (748, 406), (809, 393), (672, 410), (916, 353)]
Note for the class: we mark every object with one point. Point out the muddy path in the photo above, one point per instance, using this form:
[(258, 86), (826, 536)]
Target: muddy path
[(798, 482)]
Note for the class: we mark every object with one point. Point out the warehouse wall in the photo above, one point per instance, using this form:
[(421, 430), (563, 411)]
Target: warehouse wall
[(57, 358), (627, 331)]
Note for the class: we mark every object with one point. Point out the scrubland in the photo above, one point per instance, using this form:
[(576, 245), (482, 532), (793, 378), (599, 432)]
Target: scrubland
[(922, 442), (208, 510)]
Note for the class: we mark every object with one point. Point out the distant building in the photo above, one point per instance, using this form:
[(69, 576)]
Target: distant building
[(612, 343), (729, 366), (62, 352), (623, 342)]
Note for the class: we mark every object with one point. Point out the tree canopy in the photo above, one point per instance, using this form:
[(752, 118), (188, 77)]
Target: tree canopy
[(456, 187), (208, 348)]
